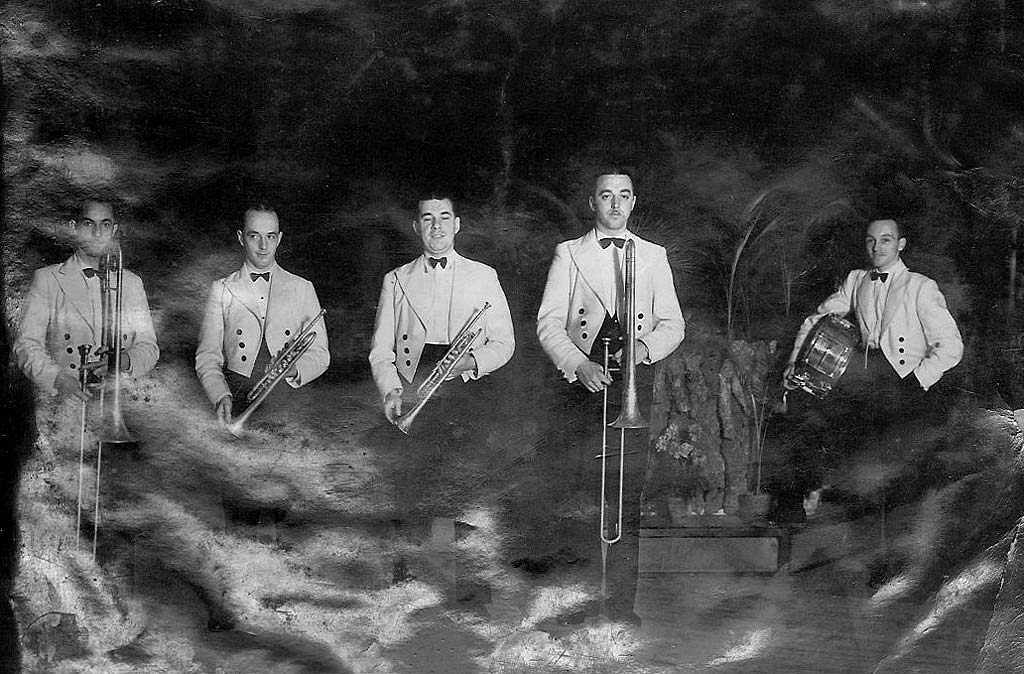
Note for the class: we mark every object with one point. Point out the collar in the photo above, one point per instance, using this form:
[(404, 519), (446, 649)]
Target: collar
[(77, 264), (894, 270), (246, 270), (451, 255), (596, 235)]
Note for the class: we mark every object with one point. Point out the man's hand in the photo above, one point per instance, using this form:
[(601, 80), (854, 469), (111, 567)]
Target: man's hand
[(393, 405), (592, 376), (641, 353), (224, 410), (68, 387), (787, 377), (466, 363)]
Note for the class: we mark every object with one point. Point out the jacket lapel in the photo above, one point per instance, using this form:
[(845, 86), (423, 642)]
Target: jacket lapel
[(76, 292), (895, 299), (240, 287), (412, 280), (585, 253)]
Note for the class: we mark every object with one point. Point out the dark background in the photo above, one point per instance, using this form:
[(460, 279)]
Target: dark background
[(789, 123)]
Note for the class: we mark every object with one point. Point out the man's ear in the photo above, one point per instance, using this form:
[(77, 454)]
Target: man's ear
[(902, 244), (241, 242), (591, 202), (458, 224)]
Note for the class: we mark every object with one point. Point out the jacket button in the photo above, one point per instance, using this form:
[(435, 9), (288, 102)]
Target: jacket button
[(70, 350), (902, 362), (287, 332), (406, 349), (238, 332), (243, 357), (241, 345), (405, 336), (640, 316), (73, 366), (901, 339), (901, 349), (67, 335), (581, 310), (408, 363), (584, 335), (583, 323)]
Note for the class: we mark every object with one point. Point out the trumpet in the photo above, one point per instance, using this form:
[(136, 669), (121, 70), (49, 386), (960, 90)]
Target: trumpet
[(275, 373), (443, 369), (629, 416)]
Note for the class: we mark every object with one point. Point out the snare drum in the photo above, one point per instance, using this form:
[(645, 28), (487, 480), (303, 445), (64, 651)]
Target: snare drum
[(824, 355)]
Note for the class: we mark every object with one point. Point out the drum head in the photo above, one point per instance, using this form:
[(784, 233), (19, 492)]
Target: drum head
[(824, 355)]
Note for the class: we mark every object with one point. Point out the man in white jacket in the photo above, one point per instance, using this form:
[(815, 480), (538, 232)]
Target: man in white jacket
[(426, 302), (582, 299), (583, 305), (251, 315), (901, 314), (909, 340)]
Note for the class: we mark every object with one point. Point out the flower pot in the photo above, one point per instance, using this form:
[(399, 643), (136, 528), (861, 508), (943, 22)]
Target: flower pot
[(754, 508)]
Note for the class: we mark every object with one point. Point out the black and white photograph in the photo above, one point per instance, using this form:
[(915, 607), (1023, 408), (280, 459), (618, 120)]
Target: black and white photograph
[(512, 337)]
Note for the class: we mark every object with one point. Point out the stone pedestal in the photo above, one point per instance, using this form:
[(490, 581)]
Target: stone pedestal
[(713, 550)]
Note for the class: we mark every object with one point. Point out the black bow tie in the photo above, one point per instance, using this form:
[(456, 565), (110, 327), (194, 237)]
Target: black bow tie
[(609, 240), (265, 276), (879, 275), (89, 272), (434, 261)]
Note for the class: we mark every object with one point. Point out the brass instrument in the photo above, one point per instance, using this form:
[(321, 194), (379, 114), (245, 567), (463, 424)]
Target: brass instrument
[(275, 373), (444, 367), (629, 416), (83, 380), (112, 430)]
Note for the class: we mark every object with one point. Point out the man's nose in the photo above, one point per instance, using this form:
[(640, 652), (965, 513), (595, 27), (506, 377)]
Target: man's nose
[(263, 244)]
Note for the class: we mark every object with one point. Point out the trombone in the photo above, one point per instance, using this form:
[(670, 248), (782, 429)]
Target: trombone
[(112, 430), (629, 416)]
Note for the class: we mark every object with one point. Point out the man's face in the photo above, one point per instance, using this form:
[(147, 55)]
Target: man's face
[(612, 202), (260, 238), (884, 243), (94, 229), (437, 226)]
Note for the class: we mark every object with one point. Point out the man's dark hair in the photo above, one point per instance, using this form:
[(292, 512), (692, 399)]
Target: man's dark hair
[(80, 211), (614, 170), (260, 207), (903, 228), (437, 195)]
